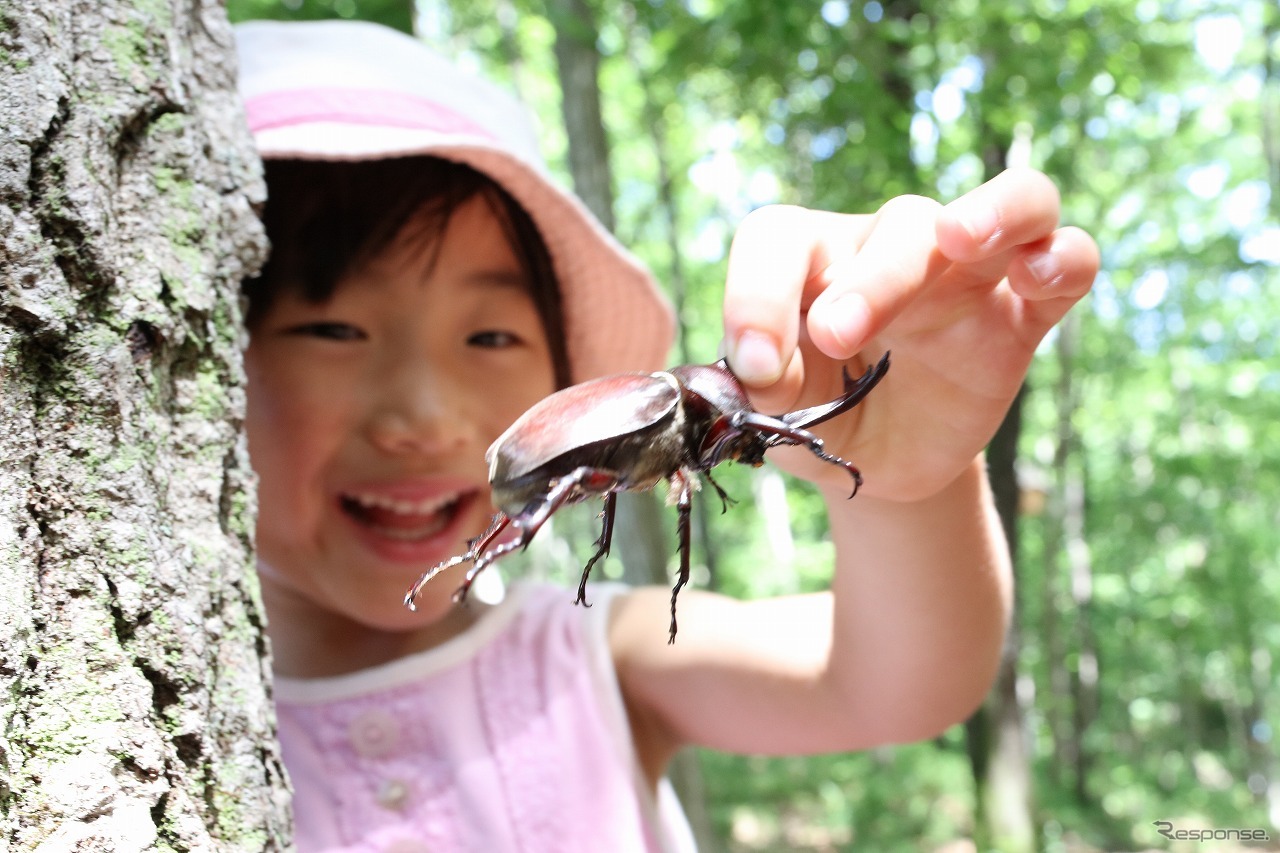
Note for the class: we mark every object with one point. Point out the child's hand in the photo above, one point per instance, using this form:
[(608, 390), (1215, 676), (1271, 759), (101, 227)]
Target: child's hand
[(961, 294)]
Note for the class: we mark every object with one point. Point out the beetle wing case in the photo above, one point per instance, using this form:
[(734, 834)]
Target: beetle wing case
[(582, 414)]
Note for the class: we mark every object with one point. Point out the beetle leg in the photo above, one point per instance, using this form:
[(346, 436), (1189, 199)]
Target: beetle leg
[(606, 538), (529, 520), (482, 563), (780, 432), (683, 502), (485, 558), (474, 548), (725, 500)]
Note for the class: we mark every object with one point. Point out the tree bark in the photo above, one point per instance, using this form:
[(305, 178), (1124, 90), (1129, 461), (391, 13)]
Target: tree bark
[(137, 712)]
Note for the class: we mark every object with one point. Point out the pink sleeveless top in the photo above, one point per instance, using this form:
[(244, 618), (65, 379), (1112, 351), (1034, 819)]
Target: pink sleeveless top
[(510, 737)]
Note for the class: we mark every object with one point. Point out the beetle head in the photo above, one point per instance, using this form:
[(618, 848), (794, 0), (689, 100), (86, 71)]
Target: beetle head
[(715, 405)]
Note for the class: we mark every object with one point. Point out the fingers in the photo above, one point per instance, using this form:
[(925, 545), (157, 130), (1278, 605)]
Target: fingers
[(847, 277), (761, 319), (1053, 274), (1017, 206), (776, 252), (863, 293)]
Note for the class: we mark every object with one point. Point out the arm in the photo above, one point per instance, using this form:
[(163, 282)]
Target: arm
[(906, 641)]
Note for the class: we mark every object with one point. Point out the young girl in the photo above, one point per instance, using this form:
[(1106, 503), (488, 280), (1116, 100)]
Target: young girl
[(427, 284)]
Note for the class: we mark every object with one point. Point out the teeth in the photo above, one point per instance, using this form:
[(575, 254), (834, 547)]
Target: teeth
[(411, 535), (426, 506)]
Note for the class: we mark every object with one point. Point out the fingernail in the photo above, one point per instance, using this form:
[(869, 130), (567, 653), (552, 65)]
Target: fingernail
[(1045, 268), (979, 221), (755, 358), (848, 317)]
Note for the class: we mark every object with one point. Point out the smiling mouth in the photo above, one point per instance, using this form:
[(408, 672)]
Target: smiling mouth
[(404, 520)]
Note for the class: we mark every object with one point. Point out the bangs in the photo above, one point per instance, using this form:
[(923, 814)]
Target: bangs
[(325, 219)]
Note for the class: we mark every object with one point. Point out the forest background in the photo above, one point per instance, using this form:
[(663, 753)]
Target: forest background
[(1141, 467)]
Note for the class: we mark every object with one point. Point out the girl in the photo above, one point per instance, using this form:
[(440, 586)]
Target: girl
[(427, 284)]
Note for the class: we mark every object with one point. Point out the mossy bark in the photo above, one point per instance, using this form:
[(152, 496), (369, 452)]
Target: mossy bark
[(135, 710)]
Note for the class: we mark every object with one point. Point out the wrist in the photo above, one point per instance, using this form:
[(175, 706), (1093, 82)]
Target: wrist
[(969, 486)]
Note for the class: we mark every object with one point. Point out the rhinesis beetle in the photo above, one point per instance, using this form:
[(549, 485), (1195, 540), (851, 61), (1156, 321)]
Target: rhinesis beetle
[(625, 433)]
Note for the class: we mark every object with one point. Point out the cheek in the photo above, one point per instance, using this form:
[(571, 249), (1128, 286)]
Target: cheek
[(289, 435), (514, 400)]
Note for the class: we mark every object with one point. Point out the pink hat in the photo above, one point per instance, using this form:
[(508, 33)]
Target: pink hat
[(350, 90)]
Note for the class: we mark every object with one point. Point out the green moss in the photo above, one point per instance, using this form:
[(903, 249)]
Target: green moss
[(128, 46), (236, 832), (169, 123), (240, 516), (22, 63), (157, 12), (210, 399), (73, 726), (132, 44), (185, 226), (228, 327), (166, 178)]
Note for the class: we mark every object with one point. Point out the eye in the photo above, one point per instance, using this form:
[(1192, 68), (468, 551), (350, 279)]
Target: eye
[(493, 339), (329, 331)]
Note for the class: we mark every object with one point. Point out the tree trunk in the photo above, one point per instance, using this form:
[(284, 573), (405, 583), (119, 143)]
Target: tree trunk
[(1071, 502), (643, 549), (996, 734), (640, 539), (578, 63), (1070, 706), (997, 739), (137, 713), (676, 279)]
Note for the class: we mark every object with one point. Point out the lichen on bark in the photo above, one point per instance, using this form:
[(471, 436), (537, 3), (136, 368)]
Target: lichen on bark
[(136, 710)]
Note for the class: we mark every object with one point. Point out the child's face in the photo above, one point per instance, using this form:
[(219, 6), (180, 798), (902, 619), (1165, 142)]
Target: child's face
[(369, 416)]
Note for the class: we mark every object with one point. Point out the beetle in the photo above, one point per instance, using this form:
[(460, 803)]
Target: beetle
[(627, 432)]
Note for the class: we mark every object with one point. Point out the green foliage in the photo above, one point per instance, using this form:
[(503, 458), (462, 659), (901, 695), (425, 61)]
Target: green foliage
[(393, 13), (905, 799), (1156, 118)]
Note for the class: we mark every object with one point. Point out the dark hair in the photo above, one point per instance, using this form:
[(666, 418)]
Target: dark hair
[(326, 218)]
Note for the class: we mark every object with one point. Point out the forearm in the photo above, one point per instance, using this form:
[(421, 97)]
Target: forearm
[(922, 595)]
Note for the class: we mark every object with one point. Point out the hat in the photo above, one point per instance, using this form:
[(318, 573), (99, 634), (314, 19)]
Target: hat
[(351, 90)]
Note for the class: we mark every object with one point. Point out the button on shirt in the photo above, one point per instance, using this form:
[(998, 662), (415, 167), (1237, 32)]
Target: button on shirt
[(511, 736)]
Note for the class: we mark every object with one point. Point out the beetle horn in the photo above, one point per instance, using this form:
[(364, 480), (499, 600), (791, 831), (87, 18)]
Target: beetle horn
[(854, 391)]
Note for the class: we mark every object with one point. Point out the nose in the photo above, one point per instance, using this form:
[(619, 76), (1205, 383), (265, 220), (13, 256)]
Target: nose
[(417, 409)]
